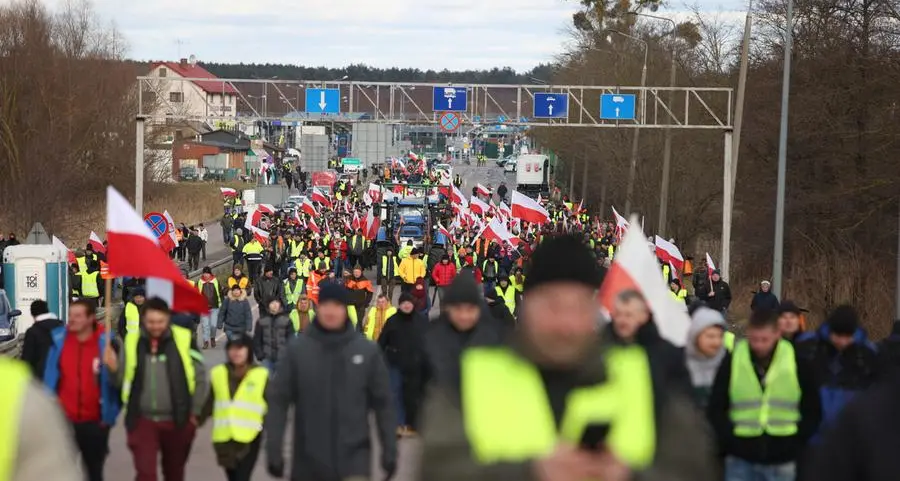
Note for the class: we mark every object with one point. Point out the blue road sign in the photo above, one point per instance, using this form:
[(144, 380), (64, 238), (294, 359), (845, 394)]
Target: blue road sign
[(449, 121), (157, 223), (323, 101), (617, 106), (476, 119), (501, 119), (523, 119), (449, 99), (550, 106)]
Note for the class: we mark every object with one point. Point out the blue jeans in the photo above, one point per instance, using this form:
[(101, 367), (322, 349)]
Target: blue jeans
[(231, 335), (208, 325), (739, 470), (397, 393)]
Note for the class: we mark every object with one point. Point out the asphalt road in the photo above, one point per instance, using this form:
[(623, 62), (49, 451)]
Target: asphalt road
[(202, 464)]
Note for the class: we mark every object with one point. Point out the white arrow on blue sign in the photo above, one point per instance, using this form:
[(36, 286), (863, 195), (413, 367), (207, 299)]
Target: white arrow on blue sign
[(323, 101), (617, 106), (550, 105), (449, 99)]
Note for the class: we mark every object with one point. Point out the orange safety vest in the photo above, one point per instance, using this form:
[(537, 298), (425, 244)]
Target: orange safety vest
[(104, 271), (178, 235), (312, 287)]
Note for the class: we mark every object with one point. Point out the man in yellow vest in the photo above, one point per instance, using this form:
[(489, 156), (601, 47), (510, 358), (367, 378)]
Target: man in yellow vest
[(239, 405), (164, 388), (34, 445), (131, 315), (90, 284), (764, 405), (570, 407), (378, 316)]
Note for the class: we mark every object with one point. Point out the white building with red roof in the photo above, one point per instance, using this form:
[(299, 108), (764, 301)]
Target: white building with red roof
[(197, 99)]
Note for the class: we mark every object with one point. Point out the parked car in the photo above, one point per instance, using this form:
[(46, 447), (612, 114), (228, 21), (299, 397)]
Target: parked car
[(511, 165)]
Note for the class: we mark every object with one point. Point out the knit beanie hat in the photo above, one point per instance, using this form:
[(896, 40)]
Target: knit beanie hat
[(843, 320), (562, 259), (331, 292)]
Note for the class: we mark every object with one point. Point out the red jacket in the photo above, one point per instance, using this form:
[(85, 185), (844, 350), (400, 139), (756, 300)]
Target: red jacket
[(443, 274), (79, 383), (342, 251)]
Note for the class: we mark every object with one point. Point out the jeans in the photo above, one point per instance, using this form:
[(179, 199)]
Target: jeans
[(396, 379), (338, 265), (148, 440), (208, 325), (737, 469), (92, 440), (231, 335)]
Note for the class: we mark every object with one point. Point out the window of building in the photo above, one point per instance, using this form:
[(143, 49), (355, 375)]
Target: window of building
[(163, 72), (176, 97)]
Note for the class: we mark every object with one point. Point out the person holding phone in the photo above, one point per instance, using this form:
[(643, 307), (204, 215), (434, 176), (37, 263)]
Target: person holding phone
[(554, 401)]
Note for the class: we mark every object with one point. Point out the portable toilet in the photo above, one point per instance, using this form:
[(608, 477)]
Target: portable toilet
[(32, 272)]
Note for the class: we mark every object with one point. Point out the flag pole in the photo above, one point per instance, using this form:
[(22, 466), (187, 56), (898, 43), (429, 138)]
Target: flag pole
[(107, 314)]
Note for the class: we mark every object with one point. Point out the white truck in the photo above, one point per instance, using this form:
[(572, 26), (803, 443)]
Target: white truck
[(533, 175)]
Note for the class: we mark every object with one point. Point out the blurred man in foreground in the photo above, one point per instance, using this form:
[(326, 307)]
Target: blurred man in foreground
[(531, 408)]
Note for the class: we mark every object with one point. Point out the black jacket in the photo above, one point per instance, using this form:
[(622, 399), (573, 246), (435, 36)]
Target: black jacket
[(333, 380), (862, 443), (764, 449), (37, 343), (267, 290), (667, 361), (194, 244), (764, 301), (500, 312), (721, 300), (403, 340)]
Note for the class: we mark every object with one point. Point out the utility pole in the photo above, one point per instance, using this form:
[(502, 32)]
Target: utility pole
[(897, 291), (778, 256), (632, 169), (139, 166)]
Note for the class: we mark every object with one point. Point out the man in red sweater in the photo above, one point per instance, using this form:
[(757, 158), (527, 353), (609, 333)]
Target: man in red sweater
[(87, 394), (442, 275)]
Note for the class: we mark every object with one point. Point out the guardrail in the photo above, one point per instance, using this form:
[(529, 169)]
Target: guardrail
[(13, 347)]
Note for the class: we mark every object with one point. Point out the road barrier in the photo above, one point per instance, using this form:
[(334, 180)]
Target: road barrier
[(13, 347)]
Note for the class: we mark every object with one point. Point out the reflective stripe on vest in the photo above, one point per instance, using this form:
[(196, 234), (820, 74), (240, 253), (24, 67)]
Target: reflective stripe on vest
[(302, 267), (239, 419), (775, 410), (132, 318), (89, 287), (182, 338), (512, 421), (14, 377), (384, 266), (291, 296)]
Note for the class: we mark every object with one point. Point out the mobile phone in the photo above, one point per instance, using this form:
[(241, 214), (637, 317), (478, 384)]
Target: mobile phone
[(594, 436)]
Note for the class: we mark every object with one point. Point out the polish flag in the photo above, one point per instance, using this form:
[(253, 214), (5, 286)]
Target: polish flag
[(539, 200), (443, 230), (308, 207), (297, 218), (327, 227), (710, 265), (168, 242), (367, 199), (347, 208), (496, 231), (505, 210), (636, 268), (266, 208), (313, 226), (478, 206), (260, 235), (621, 224), (320, 197), (458, 198), (669, 253), (70, 256), (374, 192), (482, 190), (228, 192), (356, 224), (373, 223), (135, 252), (527, 209), (96, 243), (253, 218), (412, 155)]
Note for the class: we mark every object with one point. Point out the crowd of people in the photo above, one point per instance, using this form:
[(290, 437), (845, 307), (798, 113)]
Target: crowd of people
[(518, 374)]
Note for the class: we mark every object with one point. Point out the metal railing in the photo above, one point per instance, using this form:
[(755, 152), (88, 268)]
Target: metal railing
[(13, 348)]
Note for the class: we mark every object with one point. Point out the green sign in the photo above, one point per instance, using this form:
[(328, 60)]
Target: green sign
[(351, 161)]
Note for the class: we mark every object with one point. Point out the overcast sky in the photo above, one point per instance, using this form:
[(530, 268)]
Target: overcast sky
[(435, 34)]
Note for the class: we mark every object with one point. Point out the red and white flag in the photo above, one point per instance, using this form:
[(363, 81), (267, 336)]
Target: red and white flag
[(96, 243), (621, 224), (636, 268), (443, 230), (373, 223), (254, 216), (478, 206), (527, 209), (374, 192), (320, 197), (313, 226), (307, 207), (347, 208), (482, 190), (669, 253), (228, 192), (266, 208), (70, 256), (496, 231), (458, 198), (356, 224), (710, 265), (259, 234), (135, 252), (169, 241), (367, 199), (504, 209)]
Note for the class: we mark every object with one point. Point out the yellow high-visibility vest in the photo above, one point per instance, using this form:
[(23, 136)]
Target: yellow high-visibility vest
[(728, 339), (303, 266), (14, 377), (295, 318), (371, 321), (384, 266), (512, 421), (318, 262), (774, 410), (291, 296), (240, 418), (182, 338), (132, 318), (89, 286), (509, 297)]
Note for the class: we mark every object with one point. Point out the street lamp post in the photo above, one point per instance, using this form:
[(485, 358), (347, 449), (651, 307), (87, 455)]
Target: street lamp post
[(632, 168), (667, 146), (778, 255)]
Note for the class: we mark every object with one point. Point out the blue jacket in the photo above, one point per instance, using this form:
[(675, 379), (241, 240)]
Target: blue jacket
[(841, 375), (110, 398)]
